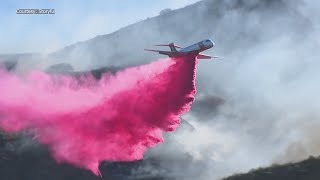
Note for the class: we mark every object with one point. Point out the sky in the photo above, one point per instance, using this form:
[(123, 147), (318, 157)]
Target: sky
[(73, 21)]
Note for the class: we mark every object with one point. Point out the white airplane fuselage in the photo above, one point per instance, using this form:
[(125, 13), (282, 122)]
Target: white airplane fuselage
[(194, 49), (198, 47)]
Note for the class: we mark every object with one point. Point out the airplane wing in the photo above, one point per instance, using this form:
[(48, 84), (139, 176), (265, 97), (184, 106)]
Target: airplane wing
[(204, 56)]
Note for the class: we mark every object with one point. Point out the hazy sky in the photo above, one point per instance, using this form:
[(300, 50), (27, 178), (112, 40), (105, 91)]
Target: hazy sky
[(74, 21)]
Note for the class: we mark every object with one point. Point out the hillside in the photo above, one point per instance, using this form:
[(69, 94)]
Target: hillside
[(36, 164), (305, 170), (210, 19)]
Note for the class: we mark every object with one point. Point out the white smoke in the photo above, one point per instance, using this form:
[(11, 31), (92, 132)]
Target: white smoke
[(272, 110)]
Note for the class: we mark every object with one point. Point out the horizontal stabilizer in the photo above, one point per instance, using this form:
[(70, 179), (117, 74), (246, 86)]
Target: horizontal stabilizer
[(168, 53), (172, 44), (151, 50)]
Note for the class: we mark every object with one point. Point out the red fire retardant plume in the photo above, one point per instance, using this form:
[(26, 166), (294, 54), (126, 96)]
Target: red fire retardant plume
[(85, 121)]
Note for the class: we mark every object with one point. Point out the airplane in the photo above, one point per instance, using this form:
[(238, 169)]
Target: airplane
[(194, 49)]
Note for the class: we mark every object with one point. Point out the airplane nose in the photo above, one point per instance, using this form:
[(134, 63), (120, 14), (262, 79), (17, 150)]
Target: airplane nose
[(211, 44)]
